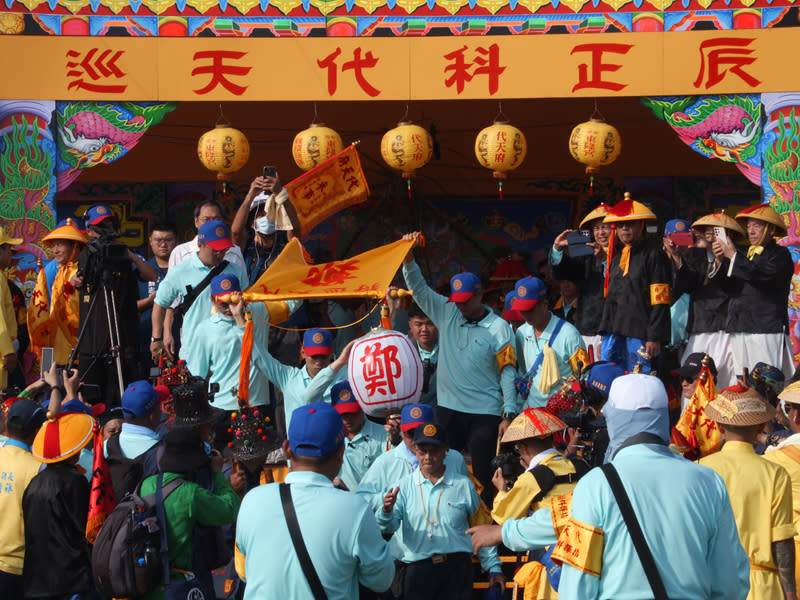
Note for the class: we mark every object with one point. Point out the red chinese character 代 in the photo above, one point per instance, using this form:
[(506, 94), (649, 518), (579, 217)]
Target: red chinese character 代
[(357, 65)]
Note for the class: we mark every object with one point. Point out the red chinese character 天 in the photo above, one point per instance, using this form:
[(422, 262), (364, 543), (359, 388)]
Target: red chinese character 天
[(381, 369), (487, 62), (598, 67), (95, 68), (331, 273), (732, 54), (218, 69), (357, 65)]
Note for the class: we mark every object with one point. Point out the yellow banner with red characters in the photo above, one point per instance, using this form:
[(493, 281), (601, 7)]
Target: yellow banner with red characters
[(365, 275), (329, 187), (695, 435)]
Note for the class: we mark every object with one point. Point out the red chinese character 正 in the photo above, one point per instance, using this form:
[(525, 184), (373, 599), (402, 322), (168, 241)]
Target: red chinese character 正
[(592, 77), (381, 369), (485, 62), (357, 65), (95, 68), (219, 70), (726, 55)]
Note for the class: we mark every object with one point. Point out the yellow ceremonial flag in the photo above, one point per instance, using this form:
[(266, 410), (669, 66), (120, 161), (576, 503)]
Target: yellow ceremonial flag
[(365, 275), (328, 188), (695, 435), (40, 328)]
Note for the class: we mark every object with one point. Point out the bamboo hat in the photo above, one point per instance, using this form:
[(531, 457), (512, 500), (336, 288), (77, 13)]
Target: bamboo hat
[(720, 219), (762, 212), (791, 393), (629, 210), (532, 423), (739, 405)]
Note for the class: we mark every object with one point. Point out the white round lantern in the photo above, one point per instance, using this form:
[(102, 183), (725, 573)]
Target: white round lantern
[(385, 372)]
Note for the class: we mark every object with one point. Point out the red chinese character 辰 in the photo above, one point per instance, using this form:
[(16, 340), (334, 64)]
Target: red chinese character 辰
[(381, 369), (489, 66), (218, 70), (598, 67), (95, 68), (331, 273), (730, 53), (357, 65)]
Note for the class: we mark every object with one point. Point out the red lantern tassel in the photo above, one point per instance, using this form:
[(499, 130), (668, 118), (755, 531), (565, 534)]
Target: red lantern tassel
[(609, 257), (244, 364)]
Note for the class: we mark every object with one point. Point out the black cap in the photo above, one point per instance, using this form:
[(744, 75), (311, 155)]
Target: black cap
[(692, 365), (430, 433), (26, 415)]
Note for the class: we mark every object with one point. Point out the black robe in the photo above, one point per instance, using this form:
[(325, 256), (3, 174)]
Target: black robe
[(55, 506), (708, 293), (588, 273), (760, 291), (637, 305)]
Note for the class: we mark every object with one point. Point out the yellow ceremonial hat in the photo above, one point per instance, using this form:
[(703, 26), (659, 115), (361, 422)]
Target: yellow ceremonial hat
[(66, 231), (532, 423), (62, 436), (762, 212), (719, 219), (628, 210), (7, 239), (598, 213)]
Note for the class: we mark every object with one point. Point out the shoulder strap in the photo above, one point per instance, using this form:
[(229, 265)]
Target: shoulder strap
[(547, 480), (538, 362), (635, 530), (194, 292), (162, 491), (299, 544)]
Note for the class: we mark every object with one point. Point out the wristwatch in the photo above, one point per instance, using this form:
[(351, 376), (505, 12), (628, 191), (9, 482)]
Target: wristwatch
[(156, 339), (509, 416)]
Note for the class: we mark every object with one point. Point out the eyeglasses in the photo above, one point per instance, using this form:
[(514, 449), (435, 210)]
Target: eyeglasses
[(688, 379), (163, 241)]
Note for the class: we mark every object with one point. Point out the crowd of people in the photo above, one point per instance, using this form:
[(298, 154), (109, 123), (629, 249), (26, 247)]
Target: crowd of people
[(569, 414)]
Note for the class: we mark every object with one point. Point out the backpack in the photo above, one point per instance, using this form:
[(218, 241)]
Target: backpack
[(128, 473), (126, 558), (547, 480)]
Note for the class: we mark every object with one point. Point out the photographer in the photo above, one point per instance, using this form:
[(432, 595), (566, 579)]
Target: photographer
[(547, 472), (109, 291)]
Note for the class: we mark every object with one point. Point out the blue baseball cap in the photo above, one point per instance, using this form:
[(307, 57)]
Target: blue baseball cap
[(528, 292), (463, 286), (225, 284), (97, 214), (139, 399), (26, 415), (430, 433), (215, 234), (316, 429), (317, 341), (510, 314), (600, 376), (676, 226), (342, 398), (414, 415)]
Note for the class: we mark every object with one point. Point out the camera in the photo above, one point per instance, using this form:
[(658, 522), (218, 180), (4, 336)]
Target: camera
[(104, 257), (509, 465), (592, 434)]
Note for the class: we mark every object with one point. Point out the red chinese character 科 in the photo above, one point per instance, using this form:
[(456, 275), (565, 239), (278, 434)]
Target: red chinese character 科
[(381, 369), (598, 67), (732, 55), (357, 65), (489, 66), (95, 68), (218, 70)]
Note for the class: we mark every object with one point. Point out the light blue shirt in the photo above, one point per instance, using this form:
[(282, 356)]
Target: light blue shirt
[(434, 518), (134, 440), (360, 452), (529, 347), (531, 533), (679, 317), (686, 517), (191, 272), (218, 349), (340, 533), (468, 379)]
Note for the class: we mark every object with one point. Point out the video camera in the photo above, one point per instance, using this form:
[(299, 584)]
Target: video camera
[(105, 257), (509, 465), (592, 433)]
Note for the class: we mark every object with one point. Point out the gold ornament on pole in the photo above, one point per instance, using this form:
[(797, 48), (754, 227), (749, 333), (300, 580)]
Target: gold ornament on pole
[(500, 147), (596, 144), (224, 150), (315, 145), (407, 147)]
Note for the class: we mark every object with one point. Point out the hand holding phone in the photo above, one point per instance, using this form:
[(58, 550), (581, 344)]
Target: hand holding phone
[(269, 172), (721, 234)]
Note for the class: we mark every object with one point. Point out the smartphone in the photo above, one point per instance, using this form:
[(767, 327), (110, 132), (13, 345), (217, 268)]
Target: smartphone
[(578, 243), (48, 356), (682, 238), (270, 171), (720, 234)]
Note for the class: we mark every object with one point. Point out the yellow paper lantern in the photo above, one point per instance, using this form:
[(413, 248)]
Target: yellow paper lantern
[(407, 148), (224, 150), (595, 143), (500, 147), (315, 145)]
